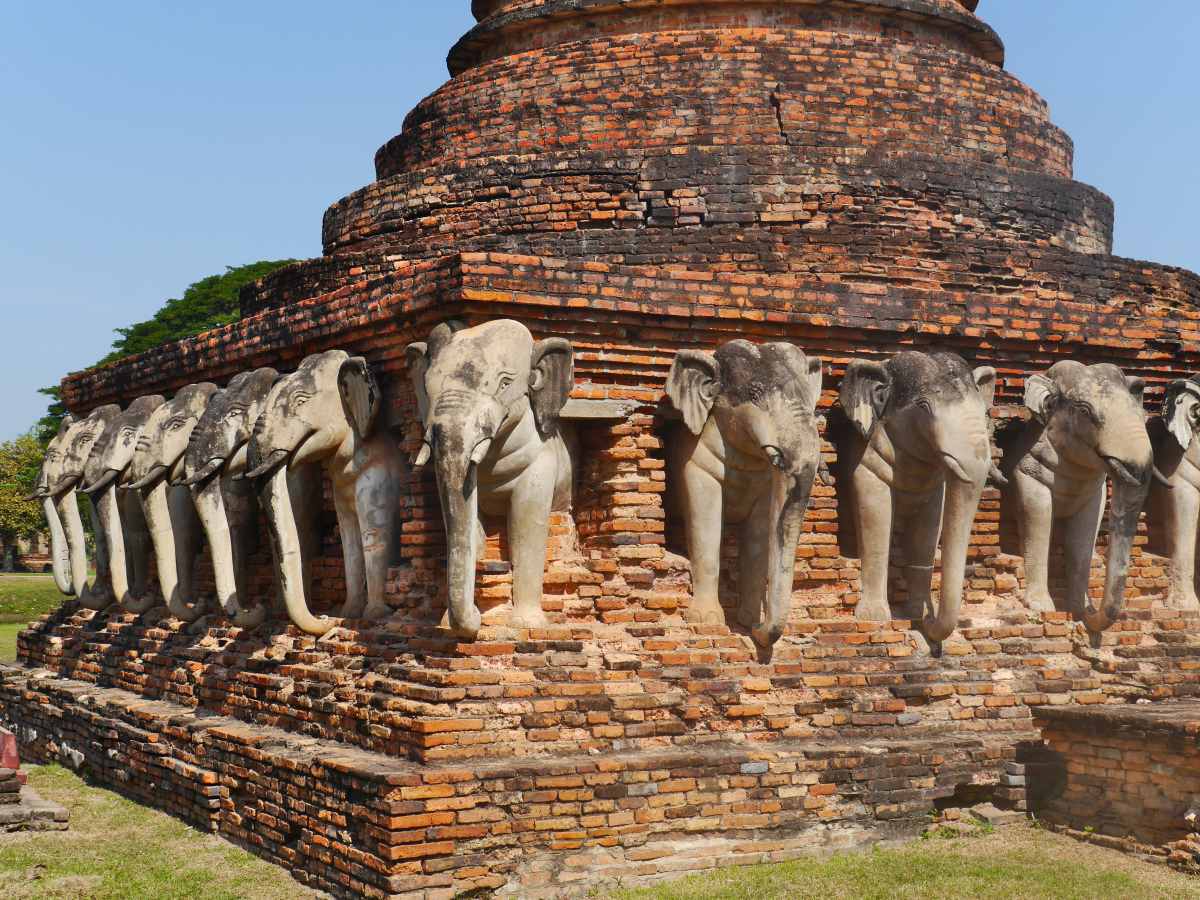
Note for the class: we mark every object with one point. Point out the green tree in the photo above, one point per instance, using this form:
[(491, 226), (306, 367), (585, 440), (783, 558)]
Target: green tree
[(209, 303), (20, 461)]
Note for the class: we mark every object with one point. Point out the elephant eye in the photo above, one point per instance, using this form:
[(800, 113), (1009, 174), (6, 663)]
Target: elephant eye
[(925, 405), (1086, 410), (300, 399), (505, 382), (176, 424)]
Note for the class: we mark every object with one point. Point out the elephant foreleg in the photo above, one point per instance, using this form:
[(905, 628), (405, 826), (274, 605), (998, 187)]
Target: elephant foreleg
[(921, 535), (345, 504), (528, 535), (703, 509), (1184, 506), (377, 502), (873, 510), (1079, 539), (753, 560), (1036, 505)]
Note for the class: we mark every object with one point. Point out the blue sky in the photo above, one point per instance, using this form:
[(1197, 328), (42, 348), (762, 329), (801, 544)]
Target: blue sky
[(146, 145)]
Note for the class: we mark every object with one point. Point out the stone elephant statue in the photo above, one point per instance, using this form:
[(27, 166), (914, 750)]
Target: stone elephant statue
[(126, 536), (749, 457), (918, 461), (327, 413), (214, 468), (490, 399), (155, 474), (1173, 434), (1088, 424), (63, 471)]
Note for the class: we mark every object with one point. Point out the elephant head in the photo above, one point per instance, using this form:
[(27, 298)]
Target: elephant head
[(1094, 421), (65, 466), (216, 456), (62, 563), (762, 400), (479, 391), (157, 463), (933, 413), (1181, 410), (121, 517), (325, 412)]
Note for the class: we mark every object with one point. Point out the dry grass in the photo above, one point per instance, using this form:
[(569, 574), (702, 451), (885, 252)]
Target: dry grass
[(1015, 863)]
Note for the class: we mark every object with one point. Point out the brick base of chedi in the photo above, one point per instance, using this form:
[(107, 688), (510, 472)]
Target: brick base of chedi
[(640, 178)]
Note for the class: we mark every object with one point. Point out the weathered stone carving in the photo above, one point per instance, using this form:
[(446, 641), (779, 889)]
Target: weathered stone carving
[(1173, 435), (1088, 423), (154, 473), (328, 413), (126, 536), (226, 502), (919, 464), (749, 460), (490, 399)]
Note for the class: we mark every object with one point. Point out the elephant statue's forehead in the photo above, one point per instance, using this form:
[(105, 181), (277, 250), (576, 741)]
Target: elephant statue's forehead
[(749, 372), (476, 353), (1092, 383), (916, 375)]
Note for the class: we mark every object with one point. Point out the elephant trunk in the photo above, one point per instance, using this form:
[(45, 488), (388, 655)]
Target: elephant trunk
[(1128, 498), (99, 594), (60, 552), (210, 507), (289, 559), (790, 492), (68, 513), (460, 508), (107, 508), (962, 502)]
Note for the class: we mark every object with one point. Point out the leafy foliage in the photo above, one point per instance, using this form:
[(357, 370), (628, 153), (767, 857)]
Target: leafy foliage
[(20, 460), (209, 303)]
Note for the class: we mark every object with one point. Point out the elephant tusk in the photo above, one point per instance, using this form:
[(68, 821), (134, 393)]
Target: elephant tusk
[(481, 451), (1120, 470), (36, 495), (775, 455), (423, 457), (273, 462), (208, 471), (1161, 478), (103, 483), (956, 468), (152, 476), (997, 477)]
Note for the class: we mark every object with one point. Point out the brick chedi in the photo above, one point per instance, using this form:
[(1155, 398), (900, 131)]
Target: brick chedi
[(641, 177)]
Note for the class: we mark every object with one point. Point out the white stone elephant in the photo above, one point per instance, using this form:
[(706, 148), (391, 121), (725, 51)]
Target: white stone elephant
[(748, 459), (490, 399)]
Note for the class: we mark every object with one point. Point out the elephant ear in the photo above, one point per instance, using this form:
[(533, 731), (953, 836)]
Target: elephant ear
[(816, 379), (360, 395), (693, 386), (551, 378), (1039, 391), (985, 380), (866, 390), (418, 364), (1180, 410)]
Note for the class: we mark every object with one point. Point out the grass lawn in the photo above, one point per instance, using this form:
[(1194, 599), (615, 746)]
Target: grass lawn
[(25, 597), (1015, 863), (22, 599), (117, 849)]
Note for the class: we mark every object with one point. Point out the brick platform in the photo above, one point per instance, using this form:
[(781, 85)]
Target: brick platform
[(1124, 776)]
